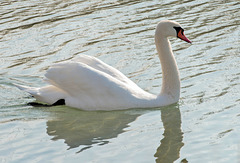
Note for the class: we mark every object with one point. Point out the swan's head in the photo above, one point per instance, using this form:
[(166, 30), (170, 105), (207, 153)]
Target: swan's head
[(167, 28)]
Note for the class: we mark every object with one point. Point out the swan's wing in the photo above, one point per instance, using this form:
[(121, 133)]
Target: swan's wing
[(87, 86), (74, 77), (101, 66)]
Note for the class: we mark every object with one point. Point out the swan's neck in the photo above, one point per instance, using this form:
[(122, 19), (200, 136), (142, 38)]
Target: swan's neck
[(170, 74)]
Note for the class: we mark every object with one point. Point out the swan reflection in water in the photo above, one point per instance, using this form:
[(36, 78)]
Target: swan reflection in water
[(169, 149), (83, 128), (87, 128)]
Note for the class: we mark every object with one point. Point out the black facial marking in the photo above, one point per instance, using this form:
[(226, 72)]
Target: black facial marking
[(178, 29)]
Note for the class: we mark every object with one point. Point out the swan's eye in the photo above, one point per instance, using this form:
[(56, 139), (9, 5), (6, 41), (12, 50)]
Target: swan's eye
[(178, 29), (180, 34)]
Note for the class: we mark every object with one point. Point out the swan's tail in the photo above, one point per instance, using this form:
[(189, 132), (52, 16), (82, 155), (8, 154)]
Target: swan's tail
[(33, 91), (36, 94), (49, 94)]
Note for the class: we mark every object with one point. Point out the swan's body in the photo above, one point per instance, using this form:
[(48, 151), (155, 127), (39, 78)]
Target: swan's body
[(90, 84)]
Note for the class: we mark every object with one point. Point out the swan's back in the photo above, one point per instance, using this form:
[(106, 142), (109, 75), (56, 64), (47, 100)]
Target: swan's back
[(91, 88)]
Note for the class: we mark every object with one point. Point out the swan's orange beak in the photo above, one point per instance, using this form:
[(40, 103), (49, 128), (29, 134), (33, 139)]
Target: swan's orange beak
[(182, 36)]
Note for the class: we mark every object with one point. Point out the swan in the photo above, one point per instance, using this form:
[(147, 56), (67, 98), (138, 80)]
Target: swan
[(87, 83)]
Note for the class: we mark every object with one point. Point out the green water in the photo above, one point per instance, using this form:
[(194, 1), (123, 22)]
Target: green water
[(203, 127)]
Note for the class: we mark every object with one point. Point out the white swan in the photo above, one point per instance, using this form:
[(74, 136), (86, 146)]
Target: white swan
[(90, 84)]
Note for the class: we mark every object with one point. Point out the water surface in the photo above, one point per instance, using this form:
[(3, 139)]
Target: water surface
[(203, 127)]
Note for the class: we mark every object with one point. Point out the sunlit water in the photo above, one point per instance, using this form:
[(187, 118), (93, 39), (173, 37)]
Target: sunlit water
[(203, 127)]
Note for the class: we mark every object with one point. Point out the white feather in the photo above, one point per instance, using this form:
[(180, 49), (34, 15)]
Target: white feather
[(92, 89)]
